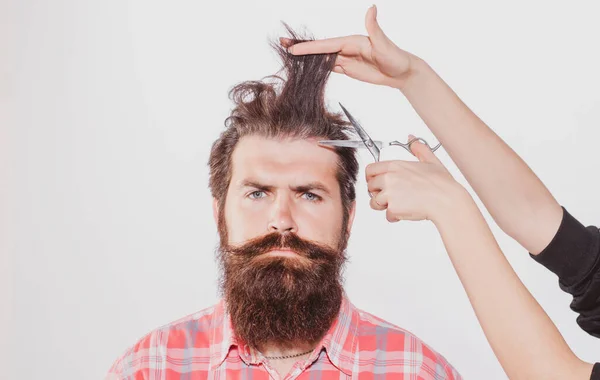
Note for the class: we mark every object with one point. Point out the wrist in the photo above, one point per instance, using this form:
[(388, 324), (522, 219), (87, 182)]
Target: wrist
[(454, 202), (418, 69)]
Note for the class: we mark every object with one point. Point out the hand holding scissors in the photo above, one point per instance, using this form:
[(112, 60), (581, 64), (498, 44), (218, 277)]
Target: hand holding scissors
[(407, 190)]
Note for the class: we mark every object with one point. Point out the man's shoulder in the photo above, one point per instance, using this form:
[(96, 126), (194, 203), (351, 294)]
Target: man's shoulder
[(196, 330), (379, 337), (370, 324), (201, 322)]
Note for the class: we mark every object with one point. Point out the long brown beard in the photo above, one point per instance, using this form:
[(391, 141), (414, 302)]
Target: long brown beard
[(282, 300)]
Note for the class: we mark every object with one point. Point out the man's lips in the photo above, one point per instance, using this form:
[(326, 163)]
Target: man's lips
[(282, 252)]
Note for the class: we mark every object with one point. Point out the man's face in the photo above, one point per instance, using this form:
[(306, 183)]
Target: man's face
[(282, 241), (284, 186)]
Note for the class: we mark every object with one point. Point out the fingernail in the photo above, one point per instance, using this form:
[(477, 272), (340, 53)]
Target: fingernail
[(411, 137)]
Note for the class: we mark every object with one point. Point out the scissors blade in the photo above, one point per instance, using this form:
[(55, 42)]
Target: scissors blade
[(362, 134), (349, 143), (343, 143)]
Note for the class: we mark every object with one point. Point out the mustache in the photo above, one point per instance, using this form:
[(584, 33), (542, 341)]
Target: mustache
[(288, 241)]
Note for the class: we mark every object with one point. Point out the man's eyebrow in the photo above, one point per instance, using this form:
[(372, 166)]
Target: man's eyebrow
[(302, 188), (311, 186), (256, 185)]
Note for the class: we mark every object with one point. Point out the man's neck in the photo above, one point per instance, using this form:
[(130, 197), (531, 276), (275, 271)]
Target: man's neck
[(272, 350), (282, 358)]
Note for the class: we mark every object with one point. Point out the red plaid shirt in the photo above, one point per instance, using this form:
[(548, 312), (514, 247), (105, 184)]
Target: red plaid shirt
[(358, 345)]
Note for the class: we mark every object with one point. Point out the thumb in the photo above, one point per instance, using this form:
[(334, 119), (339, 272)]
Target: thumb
[(373, 29), (422, 151)]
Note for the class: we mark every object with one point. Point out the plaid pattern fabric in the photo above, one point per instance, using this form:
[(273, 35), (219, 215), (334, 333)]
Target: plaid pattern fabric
[(357, 346)]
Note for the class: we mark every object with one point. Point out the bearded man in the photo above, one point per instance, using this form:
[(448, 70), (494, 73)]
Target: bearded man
[(284, 207)]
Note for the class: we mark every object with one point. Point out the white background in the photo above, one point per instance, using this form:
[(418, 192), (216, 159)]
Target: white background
[(109, 109)]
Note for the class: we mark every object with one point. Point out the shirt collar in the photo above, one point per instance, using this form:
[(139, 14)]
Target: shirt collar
[(340, 342), (222, 339)]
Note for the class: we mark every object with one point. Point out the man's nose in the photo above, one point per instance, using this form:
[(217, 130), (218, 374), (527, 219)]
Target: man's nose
[(282, 219)]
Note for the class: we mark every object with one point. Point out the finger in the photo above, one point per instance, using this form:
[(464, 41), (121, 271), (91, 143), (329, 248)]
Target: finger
[(373, 29), (380, 167), (327, 45), (422, 151), (285, 42), (378, 201), (338, 69), (391, 217), (376, 184)]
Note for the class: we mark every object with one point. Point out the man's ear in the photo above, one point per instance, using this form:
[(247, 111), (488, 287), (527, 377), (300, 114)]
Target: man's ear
[(351, 215), (215, 205)]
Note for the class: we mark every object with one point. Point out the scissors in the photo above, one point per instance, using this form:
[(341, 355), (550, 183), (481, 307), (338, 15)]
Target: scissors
[(365, 141)]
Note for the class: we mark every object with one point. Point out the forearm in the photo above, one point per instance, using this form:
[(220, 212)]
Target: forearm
[(524, 339), (517, 200)]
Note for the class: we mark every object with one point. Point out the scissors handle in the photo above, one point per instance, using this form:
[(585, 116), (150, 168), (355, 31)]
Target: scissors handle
[(410, 142)]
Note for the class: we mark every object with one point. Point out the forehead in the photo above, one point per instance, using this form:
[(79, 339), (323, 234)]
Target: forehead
[(290, 160)]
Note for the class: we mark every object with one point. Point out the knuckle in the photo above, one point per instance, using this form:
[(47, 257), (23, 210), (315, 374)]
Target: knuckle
[(397, 165)]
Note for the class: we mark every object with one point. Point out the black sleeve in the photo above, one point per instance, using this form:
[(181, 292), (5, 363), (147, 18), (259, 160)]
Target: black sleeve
[(596, 372), (574, 256)]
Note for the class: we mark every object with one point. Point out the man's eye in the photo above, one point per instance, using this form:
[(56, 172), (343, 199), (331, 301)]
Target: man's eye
[(256, 194), (312, 197)]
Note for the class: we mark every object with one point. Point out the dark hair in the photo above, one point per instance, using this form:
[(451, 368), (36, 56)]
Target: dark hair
[(282, 108)]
